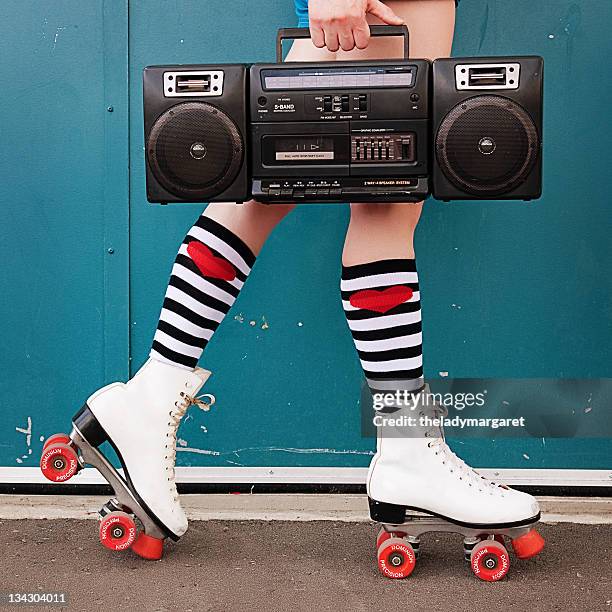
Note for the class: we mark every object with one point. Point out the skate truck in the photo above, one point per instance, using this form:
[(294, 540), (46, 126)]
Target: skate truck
[(398, 542)]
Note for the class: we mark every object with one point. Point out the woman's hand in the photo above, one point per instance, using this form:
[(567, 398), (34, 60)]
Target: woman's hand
[(342, 24)]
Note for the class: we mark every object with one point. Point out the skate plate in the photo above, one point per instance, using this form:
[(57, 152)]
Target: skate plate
[(398, 545), (63, 456)]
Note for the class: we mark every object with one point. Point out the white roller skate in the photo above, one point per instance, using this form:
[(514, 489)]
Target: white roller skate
[(139, 419), (416, 484)]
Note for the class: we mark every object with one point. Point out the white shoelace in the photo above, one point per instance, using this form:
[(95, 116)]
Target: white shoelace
[(454, 463), (180, 407)]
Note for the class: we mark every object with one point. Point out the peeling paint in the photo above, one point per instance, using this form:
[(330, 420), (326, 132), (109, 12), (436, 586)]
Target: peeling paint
[(276, 449), (28, 434), (57, 33), (199, 451)]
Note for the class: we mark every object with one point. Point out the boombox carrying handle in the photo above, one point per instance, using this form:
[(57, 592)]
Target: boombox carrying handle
[(375, 30)]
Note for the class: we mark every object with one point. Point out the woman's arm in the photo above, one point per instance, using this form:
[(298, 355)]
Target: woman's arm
[(342, 24)]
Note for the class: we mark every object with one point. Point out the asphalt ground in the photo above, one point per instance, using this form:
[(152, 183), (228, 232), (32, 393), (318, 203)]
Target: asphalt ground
[(279, 565)]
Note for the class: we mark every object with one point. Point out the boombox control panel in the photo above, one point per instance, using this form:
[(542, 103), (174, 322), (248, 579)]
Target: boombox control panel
[(384, 148), (337, 103), (350, 130), (336, 188)]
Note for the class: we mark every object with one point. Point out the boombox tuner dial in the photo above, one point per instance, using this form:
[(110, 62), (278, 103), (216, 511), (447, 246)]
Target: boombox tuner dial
[(262, 100)]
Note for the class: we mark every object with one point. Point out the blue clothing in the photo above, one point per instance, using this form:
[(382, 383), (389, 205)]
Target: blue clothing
[(301, 10)]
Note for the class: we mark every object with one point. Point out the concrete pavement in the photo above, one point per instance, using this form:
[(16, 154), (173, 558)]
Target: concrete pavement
[(308, 565)]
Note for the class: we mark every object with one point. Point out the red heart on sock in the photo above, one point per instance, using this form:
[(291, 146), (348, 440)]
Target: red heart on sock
[(208, 263), (381, 301)]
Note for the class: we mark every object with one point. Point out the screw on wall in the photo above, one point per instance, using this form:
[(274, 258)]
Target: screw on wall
[(110, 251), (110, 109)]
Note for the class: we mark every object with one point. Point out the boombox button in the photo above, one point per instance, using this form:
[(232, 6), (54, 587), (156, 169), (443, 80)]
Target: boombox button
[(286, 193), (322, 192), (336, 191), (274, 191), (298, 193), (310, 192)]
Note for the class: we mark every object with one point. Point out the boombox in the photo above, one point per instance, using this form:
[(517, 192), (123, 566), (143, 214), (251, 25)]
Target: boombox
[(358, 131)]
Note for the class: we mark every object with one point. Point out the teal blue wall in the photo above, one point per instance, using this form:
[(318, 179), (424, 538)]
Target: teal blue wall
[(509, 290)]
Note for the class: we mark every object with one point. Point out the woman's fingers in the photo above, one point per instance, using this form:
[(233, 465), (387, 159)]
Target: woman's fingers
[(342, 24), (331, 39), (346, 38), (361, 34), (383, 12), (317, 35)]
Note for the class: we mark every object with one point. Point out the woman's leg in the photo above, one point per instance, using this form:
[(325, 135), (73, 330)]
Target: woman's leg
[(413, 467), (210, 269), (214, 262), (379, 250)]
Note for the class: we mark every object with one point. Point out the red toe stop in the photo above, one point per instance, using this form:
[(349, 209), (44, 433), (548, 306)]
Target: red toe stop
[(148, 547), (528, 545)]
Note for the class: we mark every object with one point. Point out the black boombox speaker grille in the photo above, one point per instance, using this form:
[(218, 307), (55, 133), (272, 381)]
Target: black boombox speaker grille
[(487, 144), (195, 150)]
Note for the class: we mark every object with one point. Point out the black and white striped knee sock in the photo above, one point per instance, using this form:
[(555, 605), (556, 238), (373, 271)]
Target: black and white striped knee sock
[(210, 269), (381, 301)]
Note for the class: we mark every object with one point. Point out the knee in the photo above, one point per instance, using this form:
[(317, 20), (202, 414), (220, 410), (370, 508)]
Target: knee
[(270, 212), (386, 215)]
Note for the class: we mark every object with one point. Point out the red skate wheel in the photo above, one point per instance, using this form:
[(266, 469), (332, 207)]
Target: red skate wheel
[(528, 545), (490, 560), (59, 462), (117, 530), (59, 438), (396, 558), (384, 535), (148, 547)]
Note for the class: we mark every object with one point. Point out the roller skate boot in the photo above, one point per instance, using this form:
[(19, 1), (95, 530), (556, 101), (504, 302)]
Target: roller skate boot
[(416, 484), (139, 419)]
